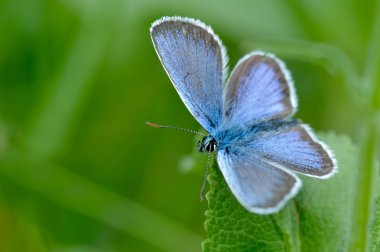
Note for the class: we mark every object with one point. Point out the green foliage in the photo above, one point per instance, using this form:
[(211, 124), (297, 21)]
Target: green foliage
[(375, 226), (79, 171), (230, 227), (318, 219)]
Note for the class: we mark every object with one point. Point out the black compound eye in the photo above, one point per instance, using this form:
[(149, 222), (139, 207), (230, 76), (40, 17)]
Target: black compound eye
[(211, 145)]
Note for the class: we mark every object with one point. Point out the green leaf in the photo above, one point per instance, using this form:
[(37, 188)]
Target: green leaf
[(231, 228), (325, 206), (317, 220)]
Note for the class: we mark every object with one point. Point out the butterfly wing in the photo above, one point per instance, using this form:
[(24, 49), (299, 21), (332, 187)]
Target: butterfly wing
[(259, 89), (260, 187), (294, 147), (194, 58)]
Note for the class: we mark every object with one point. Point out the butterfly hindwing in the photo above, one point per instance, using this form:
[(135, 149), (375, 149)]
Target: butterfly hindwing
[(259, 89), (257, 185), (194, 59), (295, 148)]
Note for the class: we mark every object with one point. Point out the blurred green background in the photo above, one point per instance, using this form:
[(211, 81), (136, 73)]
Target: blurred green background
[(79, 170)]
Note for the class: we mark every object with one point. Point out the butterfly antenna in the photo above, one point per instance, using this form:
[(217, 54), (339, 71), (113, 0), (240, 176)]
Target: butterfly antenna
[(205, 180), (173, 127)]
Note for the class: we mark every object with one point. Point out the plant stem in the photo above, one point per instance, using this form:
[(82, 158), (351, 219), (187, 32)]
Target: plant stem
[(363, 198), (364, 186)]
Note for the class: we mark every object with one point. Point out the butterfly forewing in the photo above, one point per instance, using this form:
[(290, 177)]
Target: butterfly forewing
[(193, 58), (257, 185), (259, 89)]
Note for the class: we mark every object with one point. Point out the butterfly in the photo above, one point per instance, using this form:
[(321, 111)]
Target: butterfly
[(248, 116)]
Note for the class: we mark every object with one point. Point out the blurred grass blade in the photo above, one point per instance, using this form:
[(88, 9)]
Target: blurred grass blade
[(370, 146), (364, 194), (81, 195), (51, 123), (371, 76), (375, 226)]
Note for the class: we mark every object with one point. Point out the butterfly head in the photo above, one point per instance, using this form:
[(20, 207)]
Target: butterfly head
[(208, 144)]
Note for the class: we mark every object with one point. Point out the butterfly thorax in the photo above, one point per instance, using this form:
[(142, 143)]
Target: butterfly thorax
[(242, 136), (208, 144)]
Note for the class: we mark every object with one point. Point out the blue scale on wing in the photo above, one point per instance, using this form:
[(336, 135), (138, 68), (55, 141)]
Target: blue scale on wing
[(192, 57), (294, 148), (258, 90), (284, 143), (257, 185)]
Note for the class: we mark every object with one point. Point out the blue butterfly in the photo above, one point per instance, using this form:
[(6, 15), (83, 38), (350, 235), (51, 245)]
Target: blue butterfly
[(247, 117)]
